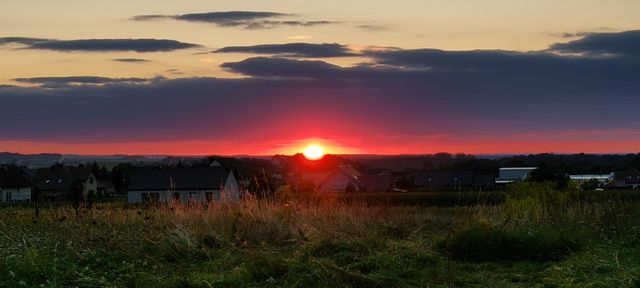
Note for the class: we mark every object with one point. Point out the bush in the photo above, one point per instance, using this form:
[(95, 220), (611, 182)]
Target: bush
[(591, 185), (544, 193), (484, 243)]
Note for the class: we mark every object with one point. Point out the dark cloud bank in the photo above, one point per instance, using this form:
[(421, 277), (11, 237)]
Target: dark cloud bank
[(584, 85), (623, 43)]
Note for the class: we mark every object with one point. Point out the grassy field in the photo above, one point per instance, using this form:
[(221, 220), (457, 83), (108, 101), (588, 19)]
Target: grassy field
[(524, 242)]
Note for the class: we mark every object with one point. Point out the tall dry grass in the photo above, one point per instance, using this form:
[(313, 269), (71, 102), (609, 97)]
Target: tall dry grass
[(310, 243)]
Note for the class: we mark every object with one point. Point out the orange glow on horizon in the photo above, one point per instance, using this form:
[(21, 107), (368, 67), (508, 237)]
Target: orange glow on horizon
[(313, 152), (291, 147), (589, 141)]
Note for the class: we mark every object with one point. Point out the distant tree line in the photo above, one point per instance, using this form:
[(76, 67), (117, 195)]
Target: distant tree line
[(568, 163)]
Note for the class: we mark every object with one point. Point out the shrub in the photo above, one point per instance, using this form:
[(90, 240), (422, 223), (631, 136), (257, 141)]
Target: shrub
[(591, 184), (544, 193)]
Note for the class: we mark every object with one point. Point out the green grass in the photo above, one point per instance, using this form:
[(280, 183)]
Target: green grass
[(483, 243), (328, 243)]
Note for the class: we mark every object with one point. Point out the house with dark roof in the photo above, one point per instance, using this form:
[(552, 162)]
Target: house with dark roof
[(342, 178), (14, 185), (105, 187), (187, 184), (629, 179), (444, 179), (61, 183), (484, 181), (376, 183), (453, 180)]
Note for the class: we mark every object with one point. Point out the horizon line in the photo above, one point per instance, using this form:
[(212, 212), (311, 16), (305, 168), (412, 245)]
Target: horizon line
[(336, 154)]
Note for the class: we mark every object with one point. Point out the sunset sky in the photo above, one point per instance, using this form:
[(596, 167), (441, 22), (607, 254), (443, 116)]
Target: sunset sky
[(197, 77)]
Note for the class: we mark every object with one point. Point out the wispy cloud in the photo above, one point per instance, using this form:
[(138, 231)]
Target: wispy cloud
[(569, 35), (299, 37), (55, 82), (99, 45), (301, 50), (229, 18), (581, 33), (131, 60), (372, 27), (246, 19)]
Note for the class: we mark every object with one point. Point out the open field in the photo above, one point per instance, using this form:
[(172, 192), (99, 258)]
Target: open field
[(526, 241)]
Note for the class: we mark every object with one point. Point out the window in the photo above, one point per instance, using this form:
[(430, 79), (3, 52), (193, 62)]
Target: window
[(209, 196), (8, 196), (192, 196), (176, 196), (90, 180)]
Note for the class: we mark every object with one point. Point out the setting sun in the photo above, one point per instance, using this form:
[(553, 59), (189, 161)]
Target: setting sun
[(314, 152)]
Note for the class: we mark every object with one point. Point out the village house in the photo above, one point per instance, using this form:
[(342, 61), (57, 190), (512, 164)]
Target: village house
[(376, 183), (105, 187), (14, 185), (444, 179), (310, 179), (186, 184), (629, 179), (63, 183), (453, 180), (342, 178)]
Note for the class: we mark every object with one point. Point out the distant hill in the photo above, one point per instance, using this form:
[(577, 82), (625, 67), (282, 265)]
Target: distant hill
[(30, 160), (48, 159)]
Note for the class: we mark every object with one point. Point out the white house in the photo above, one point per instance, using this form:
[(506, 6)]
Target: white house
[(88, 181), (14, 185), (199, 185)]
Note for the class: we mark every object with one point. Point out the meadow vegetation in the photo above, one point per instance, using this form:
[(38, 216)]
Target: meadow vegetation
[(536, 236)]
